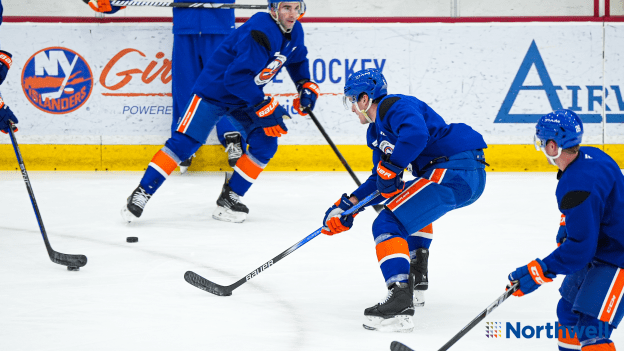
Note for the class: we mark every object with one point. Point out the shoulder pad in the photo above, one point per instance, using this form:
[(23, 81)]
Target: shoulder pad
[(573, 199), (385, 106), (261, 39)]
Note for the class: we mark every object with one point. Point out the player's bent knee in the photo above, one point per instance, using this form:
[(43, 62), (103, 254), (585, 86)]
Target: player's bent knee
[(605, 346), (182, 145)]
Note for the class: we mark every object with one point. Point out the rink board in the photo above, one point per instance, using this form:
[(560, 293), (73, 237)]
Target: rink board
[(114, 110)]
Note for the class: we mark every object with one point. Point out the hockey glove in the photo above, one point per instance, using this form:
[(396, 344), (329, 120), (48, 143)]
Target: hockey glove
[(5, 64), (103, 6), (333, 222), (562, 234), (530, 277), (272, 117), (6, 115), (389, 176), (308, 93)]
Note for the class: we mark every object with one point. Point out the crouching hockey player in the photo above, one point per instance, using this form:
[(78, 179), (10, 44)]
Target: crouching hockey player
[(448, 162), (590, 195), (231, 84)]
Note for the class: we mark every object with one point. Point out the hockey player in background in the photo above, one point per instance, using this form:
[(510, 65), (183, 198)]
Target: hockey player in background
[(6, 115), (197, 32), (448, 163), (231, 84), (590, 195)]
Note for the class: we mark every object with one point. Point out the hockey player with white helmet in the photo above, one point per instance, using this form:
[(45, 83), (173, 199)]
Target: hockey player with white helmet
[(448, 163), (231, 84)]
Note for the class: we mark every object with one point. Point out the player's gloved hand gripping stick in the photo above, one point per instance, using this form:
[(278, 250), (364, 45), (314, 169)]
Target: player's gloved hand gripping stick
[(202, 283), (73, 262), (397, 346)]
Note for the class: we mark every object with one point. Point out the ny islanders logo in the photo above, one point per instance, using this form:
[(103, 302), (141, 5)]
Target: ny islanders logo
[(271, 70), (57, 80)]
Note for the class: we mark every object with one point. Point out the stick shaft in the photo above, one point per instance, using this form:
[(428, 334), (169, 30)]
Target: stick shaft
[(197, 5)]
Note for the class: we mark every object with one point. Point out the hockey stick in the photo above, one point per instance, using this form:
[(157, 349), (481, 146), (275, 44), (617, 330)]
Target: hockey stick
[(73, 261), (377, 208), (202, 283), (397, 346), (206, 5)]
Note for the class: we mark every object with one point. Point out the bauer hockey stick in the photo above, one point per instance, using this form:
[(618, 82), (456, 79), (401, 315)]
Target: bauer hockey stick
[(397, 346), (73, 262), (377, 208), (204, 284), (199, 5)]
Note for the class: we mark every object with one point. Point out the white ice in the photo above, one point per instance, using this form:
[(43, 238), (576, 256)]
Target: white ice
[(134, 297)]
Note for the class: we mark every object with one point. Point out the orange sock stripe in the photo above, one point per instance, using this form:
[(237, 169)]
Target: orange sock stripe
[(612, 301), (599, 347), (391, 247), (249, 167), (428, 229), (437, 175), (165, 162), (573, 342), (408, 193), (190, 113)]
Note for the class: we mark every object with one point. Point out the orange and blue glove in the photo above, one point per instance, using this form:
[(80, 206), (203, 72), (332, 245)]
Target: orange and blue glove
[(530, 277), (6, 115), (103, 6), (272, 116), (308, 93), (334, 222), (389, 182), (6, 60)]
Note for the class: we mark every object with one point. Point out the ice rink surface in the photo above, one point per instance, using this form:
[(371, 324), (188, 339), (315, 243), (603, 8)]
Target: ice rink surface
[(132, 296)]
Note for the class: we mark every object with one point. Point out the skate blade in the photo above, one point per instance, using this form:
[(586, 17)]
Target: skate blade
[(397, 324), (227, 215), (419, 298), (127, 216), (183, 169)]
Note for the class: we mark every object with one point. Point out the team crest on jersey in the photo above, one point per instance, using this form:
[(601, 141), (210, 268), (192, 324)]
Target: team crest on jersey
[(57, 80), (386, 147), (271, 70)]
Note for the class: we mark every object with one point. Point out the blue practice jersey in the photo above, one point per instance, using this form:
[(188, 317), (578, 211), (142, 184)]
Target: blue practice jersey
[(203, 21), (248, 59), (590, 194), (414, 134)]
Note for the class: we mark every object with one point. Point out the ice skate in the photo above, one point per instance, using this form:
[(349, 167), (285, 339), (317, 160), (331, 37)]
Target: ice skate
[(419, 269), (135, 204), (233, 147), (184, 165), (394, 314), (229, 208)]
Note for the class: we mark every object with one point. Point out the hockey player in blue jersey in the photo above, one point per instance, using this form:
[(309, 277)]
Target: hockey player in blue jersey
[(590, 196), (6, 115), (448, 163), (197, 32), (231, 84)]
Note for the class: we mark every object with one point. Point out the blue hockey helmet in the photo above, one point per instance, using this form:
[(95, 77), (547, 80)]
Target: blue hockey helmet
[(369, 81), (562, 126)]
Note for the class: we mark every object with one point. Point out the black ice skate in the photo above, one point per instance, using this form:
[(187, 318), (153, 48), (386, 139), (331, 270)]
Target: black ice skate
[(394, 314), (184, 165), (418, 268), (233, 147), (229, 208), (135, 204)]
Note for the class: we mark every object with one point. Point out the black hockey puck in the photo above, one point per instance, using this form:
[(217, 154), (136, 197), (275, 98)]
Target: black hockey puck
[(70, 268), (132, 239)]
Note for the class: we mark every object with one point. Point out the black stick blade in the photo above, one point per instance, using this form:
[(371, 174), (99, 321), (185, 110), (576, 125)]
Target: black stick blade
[(200, 282), (68, 260), (397, 346)]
